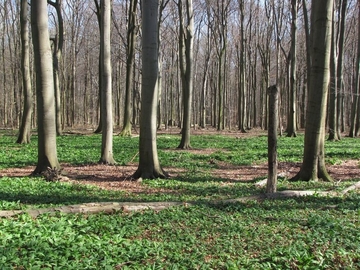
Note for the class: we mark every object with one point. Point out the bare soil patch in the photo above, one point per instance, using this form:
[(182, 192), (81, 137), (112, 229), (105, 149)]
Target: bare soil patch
[(119, 177)]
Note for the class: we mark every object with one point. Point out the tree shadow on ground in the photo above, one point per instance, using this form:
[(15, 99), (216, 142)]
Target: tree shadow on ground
[(280, 205)]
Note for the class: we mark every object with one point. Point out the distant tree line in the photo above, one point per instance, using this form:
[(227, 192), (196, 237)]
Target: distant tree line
[(176, 63), (239, 49)]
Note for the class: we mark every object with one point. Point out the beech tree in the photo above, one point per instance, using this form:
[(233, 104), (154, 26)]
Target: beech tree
[(220, 13), (292, 115), (242, 70), (336, 86), (149, 165), (130, 59), (45, 101), (106, 87), (355, 112), (186, 67), (308, 59), (313, 166), (205, 74), (98, 16), (264, 47), (58, 48), (10, 74), (220, 28), (25, 128)]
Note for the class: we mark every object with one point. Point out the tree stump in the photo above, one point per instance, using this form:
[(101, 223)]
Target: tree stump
[(272, 91)]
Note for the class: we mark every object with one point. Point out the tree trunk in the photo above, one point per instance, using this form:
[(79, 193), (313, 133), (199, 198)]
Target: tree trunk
[(100, 125), (159, 113), (73, 78), (106, 88), (333, 96), (149, 165), (307, 43), (58, 48), (292, 120), (355, 102), (47, 153), (272, 139), (313, 166), (14, 62), (214, 94), (242, 82), (131, 40), (220, 85), (4, 73), (186, 66), (221, 13), (25, 128), (336, 94), (340, 68), (204, 84), (264, 51), (136, 99)]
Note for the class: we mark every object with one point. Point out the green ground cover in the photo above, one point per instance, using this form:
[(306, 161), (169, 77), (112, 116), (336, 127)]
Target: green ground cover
[(301, 233)]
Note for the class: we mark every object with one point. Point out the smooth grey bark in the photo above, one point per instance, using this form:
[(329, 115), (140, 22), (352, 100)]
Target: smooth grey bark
[(130, 58), (10, 52), (340, 67), (205, 79), (253, 62), (98, 16), (47, 152), (333, 96), (58, 48), (242, 81), (278, 17), (292, 115), (220, 85), (313, 166), (355, 103), (169, 92), (336, 94), (106, 87), (307, 43), (159, 113), (25, 128), (186, 44), (74, 37), (162, 6), (149, 165), (4, 120), (264, 48), (219, 28)]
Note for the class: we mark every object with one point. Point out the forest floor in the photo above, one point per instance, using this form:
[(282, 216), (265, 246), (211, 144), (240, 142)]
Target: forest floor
[(219, 216), (119, 177)]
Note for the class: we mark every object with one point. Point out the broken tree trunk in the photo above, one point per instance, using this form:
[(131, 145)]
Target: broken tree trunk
[(111, 207), (93, 208), (272, 139)]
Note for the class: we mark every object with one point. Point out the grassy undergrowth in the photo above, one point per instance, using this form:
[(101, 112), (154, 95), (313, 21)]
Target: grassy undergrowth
[(302, 233)]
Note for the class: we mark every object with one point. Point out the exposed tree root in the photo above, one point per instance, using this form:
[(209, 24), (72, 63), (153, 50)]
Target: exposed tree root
[(110, 162), (98, 130), (111, 207), (352, 187), (304, 176), (291, 134), (151, 174), (126, 132), (184, 147)]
